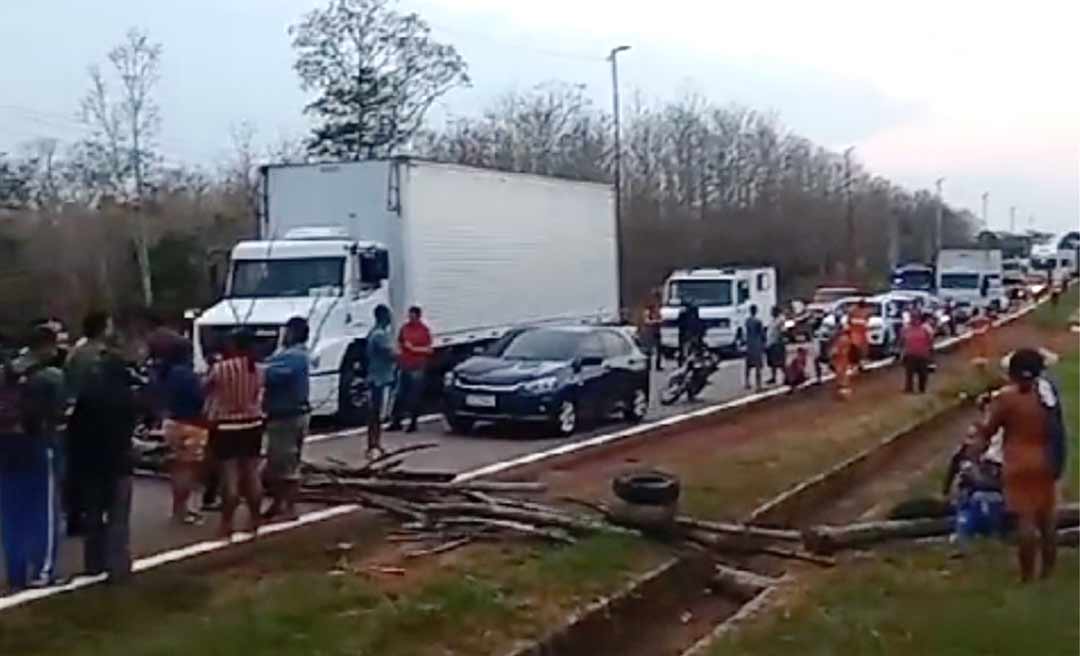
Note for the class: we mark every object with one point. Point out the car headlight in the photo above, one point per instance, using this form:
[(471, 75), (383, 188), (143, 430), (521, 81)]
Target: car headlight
[(449, 380), (544, 385)]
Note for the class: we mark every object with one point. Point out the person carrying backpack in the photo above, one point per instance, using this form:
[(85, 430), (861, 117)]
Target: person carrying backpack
[(32, 404)]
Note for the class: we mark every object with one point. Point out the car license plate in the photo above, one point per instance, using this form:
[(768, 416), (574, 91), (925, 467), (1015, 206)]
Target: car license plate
[(480, 401)]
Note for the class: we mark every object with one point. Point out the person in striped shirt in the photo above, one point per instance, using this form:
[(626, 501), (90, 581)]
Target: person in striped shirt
[(234, 392)]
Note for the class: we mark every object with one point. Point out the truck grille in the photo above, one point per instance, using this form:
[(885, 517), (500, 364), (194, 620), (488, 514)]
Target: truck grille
[(212, 339)]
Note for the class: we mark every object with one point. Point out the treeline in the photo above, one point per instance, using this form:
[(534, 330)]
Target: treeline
[(108, 220), (705, 185)]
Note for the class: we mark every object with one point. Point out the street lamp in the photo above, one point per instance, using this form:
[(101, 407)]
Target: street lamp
[(618, 168)]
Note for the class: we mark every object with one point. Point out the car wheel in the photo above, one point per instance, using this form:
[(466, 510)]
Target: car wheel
[(352, 391), (565, 420), (459, 425), (647, 487), (637, 406)]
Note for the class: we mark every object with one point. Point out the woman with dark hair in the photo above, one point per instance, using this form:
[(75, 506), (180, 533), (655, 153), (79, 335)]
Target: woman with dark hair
[(1029, 412), (234, 391)]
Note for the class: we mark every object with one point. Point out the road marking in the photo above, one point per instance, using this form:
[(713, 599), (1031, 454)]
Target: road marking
[(356, 432), (199, 548)]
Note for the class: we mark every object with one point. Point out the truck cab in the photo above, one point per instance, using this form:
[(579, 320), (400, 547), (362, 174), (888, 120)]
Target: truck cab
[(971, 278), (723, 298), (316, 273), (913, 277)]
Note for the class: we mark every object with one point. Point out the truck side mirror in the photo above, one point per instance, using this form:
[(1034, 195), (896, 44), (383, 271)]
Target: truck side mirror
[(374, 266)]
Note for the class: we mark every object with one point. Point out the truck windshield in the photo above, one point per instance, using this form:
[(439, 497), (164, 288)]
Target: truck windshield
[(913, 280), (960, 280), (708, 293), (318, 276)]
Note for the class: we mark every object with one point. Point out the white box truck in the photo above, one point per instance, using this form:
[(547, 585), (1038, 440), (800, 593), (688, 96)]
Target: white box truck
[(971, 278), (723, 298), (480, 251)]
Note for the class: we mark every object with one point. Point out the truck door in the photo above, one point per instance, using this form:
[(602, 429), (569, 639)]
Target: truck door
[(742, 306), (764, 292)]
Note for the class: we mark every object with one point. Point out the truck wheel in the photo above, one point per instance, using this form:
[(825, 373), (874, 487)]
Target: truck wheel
[(637, 406), (352, 390)]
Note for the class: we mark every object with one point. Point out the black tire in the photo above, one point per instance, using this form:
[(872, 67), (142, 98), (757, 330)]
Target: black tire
[(459, 425), (634, 411), (352, 391), (671, 392), (647, 487)]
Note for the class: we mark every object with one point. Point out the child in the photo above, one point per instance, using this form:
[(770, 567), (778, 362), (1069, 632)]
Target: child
[(795, 372), (974, 488)]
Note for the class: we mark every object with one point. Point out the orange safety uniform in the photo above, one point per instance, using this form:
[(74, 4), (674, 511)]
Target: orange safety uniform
[(858, 325), (841, 362)]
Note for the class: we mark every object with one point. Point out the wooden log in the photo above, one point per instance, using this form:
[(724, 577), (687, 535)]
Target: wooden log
[(547, 518), (403, 487), (394, 506), (442, 548), (738, 545), (830, 539), (743, 530), (554, 535), (743, 583)]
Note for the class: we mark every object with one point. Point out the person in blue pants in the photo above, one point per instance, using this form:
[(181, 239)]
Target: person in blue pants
[(29, 503)]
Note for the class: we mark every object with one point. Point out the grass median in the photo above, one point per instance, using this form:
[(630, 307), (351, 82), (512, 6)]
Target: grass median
[(917, 599), (296, 597)]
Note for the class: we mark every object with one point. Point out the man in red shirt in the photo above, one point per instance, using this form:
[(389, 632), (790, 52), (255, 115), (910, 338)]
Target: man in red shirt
[(917, 342), (415, 346)]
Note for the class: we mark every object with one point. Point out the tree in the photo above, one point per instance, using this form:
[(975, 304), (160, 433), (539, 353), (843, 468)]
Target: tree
[(117, 158), (375, 73), (16, 182)]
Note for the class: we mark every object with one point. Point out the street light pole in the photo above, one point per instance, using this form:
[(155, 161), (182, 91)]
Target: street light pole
[(940, 216), (613, 57)]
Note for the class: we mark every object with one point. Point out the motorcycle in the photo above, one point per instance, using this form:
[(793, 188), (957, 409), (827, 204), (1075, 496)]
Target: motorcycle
[(691, 377)]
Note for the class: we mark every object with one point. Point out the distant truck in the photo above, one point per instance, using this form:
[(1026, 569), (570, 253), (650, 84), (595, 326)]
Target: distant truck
[(971, 278), (723, 298), (480, 251), (913, 277)]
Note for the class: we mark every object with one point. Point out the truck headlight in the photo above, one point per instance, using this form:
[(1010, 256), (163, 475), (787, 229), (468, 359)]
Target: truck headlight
[(544, 385)]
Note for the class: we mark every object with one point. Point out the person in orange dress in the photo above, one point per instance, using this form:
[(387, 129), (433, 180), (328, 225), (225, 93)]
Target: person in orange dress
[(841, 362), (1029, 460), (858, 325), (980, 340)]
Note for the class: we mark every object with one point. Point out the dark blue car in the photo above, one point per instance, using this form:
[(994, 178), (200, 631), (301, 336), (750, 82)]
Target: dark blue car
[(554, 376)]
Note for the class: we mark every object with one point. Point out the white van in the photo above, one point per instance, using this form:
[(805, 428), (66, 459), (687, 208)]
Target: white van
[(723, 298)]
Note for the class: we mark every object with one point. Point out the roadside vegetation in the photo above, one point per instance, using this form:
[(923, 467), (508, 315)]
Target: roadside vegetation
[(918, 599)]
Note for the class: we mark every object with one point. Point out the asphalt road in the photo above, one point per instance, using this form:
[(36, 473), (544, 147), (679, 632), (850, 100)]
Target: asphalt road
[(152, 531)]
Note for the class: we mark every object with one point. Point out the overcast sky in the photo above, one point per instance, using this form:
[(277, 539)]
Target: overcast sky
[(983, 94)]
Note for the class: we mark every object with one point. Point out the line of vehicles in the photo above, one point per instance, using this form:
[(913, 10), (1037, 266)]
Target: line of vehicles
[(517, 275)]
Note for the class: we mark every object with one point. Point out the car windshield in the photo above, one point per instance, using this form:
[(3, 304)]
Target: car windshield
[(320, 276), (828, 295), (709, 293), (542, 344), (960, 280)]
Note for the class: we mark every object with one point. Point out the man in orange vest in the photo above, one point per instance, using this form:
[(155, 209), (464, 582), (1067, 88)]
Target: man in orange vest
[(858, 325), (841, 363)]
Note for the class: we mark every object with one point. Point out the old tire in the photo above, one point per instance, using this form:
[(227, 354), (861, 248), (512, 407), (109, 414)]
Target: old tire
[(654, 488), (653, 518)]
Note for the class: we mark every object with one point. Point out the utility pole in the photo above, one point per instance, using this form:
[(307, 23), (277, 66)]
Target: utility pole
[(985, 209), (940, 217), (1012, 218), (850, 219), (618, 170)]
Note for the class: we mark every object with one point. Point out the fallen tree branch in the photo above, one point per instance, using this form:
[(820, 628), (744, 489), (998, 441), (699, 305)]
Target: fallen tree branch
[(548, 517), (742, 530), (421, 487), (554, 535), (442, 548)]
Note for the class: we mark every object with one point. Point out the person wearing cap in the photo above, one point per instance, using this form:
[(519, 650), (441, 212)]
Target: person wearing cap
[(1029, 414)]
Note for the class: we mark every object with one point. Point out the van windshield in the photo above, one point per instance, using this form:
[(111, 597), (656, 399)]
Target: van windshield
[(960, 280), (318, 276), (709, 293)]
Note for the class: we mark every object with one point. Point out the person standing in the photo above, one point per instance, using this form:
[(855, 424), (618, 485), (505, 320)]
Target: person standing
[(100, 431), (415, 348), (690, 330), (1029, 412), (288, 416), (32, 405), (858, 329), (380, 375), (980, 339), (774, 345), (234, 390), (754, 334), (186, 430), (649, 329), (916, 348), (840, 353)]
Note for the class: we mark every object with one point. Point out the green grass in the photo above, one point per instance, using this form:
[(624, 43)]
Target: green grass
[(1067, 373), (918, 601), (1049, 316)]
